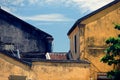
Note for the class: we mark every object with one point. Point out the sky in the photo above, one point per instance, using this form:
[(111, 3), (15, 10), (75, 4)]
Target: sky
[(55, 17)]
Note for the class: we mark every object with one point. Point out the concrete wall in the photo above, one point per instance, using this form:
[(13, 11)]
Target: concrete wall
[(43, 70)]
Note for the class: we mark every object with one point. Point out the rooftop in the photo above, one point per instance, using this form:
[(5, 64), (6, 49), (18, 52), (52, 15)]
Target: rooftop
[(58, 56), (91, 14), (29, 62), (11, 18)]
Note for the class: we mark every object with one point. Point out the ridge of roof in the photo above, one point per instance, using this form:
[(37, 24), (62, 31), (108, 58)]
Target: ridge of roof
[(91, 14), (21, 21)]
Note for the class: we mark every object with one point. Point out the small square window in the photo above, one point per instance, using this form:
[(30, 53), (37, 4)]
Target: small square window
[(17, 77)]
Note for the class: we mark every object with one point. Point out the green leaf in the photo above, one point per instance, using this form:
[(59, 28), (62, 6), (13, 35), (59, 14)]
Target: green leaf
[(112, 55), (117, 26)]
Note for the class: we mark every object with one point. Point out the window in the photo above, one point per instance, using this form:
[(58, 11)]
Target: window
[(17, 77), (102, 76), (8, 46), (75, 44)]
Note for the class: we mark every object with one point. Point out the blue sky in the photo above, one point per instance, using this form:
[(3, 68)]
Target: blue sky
[(55, 17)]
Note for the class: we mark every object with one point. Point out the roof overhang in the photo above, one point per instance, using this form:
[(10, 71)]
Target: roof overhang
[(96, 14)]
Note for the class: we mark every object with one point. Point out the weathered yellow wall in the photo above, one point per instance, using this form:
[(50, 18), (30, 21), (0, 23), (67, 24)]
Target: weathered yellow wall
[(61, 71), (9, 66), (96, 33), (72, 48), (98, 28), (101, 29), (43, 70)]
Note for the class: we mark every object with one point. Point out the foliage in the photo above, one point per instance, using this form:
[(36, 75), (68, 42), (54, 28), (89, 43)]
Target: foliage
[(112, 56)]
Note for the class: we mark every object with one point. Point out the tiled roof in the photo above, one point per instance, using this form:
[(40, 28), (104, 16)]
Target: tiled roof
[(58, 56)]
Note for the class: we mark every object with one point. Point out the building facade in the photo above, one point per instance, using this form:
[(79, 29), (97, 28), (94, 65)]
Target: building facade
[(17, 35), (88, 36), (22, 54), (13, 68)]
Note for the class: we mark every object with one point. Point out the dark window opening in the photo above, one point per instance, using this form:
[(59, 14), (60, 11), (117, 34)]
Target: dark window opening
[(75, 44)]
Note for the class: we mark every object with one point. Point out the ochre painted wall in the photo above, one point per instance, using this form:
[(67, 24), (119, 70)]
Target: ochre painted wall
[(72, 43), (102, 28), (9, 66), (96, 34), (43, 70), (97, 29), (61, 71)]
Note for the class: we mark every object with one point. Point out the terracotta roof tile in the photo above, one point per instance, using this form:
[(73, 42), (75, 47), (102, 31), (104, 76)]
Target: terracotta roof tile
[(58, 56)]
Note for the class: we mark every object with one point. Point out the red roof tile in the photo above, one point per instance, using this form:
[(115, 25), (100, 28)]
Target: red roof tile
[(58, 56)]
